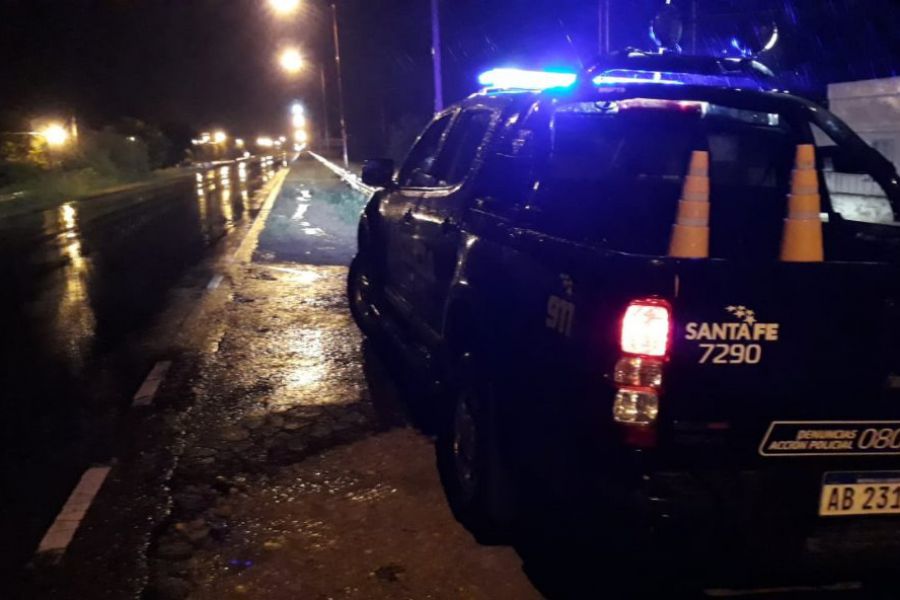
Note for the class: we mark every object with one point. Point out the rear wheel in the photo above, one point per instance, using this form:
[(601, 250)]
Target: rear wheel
[(476, 487), (361, 293)]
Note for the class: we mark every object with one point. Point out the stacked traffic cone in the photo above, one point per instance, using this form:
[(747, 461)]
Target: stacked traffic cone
[(802, 240), (690, 233)]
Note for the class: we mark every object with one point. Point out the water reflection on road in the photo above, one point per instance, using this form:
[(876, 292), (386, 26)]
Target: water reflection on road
[(75, 312), (82, 282)]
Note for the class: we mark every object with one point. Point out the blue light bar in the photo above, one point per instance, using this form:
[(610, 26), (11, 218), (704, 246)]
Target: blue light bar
[(627, 76), (522, 79), (620, 76)]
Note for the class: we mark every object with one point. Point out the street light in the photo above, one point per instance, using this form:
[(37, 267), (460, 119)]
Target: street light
[(291, 61), (293, 64), (298, 116), (284, 7), (220, 137), (55, 134)]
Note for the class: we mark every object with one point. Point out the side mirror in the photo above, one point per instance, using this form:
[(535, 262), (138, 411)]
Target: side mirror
[(378, 172)]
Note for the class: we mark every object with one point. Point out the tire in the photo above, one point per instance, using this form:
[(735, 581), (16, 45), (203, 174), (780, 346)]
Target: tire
[(476, 487), (361, 291)]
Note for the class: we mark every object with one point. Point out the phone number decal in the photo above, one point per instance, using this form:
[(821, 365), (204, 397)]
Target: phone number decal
[(828, 438)]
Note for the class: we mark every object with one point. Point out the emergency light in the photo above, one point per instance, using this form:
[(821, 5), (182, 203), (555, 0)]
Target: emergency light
[(522, 79), (620, 76)]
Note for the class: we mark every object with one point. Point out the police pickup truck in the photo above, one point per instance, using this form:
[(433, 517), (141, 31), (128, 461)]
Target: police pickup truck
[(642, 316)]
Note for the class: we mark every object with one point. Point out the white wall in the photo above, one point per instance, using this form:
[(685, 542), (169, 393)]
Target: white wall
[(872, 109)]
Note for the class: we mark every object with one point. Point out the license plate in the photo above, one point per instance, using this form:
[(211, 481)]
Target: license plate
[(863, 493)]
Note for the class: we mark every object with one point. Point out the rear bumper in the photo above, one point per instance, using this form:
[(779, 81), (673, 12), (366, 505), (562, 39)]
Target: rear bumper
[(727, 527)]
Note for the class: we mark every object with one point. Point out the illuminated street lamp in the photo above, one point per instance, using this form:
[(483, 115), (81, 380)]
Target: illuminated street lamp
[(284, 7), (220, 137), (287, 7), (55, 134), (239, 143), (298, 116), (291, 61)]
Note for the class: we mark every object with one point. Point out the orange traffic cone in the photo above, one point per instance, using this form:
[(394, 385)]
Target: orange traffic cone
[(690, 233), (802, 239)]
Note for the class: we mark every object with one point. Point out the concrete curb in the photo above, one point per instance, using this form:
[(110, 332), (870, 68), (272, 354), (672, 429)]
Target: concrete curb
[(346, 176)]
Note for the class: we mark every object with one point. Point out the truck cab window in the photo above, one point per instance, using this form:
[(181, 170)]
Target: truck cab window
[(461, 147), (615, 178), (418, 168), (853, 193)]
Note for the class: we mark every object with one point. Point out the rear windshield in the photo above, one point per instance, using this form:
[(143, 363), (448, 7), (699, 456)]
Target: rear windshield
[(616, 175)]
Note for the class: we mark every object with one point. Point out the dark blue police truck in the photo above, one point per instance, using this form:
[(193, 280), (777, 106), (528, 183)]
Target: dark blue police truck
[(588, 380)]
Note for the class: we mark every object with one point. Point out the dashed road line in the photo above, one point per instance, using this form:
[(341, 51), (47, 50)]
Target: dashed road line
[(147, 391), (63, 529), (214, 282)]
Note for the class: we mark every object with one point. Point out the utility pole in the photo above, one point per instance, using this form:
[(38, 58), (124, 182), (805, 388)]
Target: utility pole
[(603, 29), (436, 55), (326, 122), (337, 62), (693, 27)]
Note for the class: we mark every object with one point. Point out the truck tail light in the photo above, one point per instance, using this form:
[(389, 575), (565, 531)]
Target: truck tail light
[(638, 371), (636, 406), (645, 328), (646, 332)]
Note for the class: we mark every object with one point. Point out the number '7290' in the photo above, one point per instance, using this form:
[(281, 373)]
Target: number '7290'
[(731, 354)]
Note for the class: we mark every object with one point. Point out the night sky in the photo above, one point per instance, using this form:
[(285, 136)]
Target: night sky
[(192, 64)]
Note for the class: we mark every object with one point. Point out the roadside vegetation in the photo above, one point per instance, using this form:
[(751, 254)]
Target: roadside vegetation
[(36, 175)]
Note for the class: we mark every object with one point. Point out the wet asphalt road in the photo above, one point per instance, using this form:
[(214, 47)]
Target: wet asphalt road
[(272, 464), (82, 285), (275, 462)]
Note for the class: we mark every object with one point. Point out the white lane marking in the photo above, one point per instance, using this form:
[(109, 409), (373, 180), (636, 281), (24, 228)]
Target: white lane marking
[(214, 282), (842, 587), (245, 251), (145, 394), (300, 212), (66, 524), (349, 178)]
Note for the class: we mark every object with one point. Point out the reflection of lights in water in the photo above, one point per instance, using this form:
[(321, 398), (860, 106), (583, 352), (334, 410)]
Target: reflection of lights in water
[(67, 212), (202, 208), (307, 345), (227, 209), (224, 173), (75, 316), (199, 178), (305, 276), (210, 174), (242, 187)]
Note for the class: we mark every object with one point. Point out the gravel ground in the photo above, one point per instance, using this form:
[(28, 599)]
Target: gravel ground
[(292, 480)]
